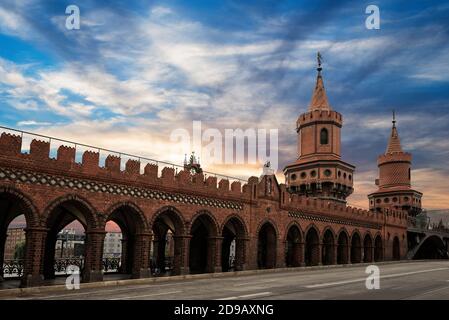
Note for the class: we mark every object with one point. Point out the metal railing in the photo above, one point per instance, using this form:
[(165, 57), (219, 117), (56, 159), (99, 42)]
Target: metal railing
[(119, 153)]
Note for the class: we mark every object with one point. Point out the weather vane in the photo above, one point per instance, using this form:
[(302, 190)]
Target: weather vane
[(319, 59)]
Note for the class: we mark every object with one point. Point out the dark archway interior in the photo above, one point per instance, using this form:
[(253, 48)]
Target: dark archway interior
[(367, 249), (432, 248), (378, 249), (167, 228), (342, 248), (201, 247), (312, 248), (266, 247), (328, 248), (356, 249), (233, 245), (293, 255), (396, 249)]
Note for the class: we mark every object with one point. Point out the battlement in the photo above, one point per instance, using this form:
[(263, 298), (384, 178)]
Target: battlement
[(319, 115), (394, 157), (319, 206), (65, 163)]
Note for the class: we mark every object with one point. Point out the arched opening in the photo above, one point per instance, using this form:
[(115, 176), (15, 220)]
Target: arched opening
[(202, 248), (342, 248), (396, 249), (15, 216), (328, 248), (324, 136), (266, 247), (233, 245), (378, 249), (432, 248), (312, 254), (293, 247), (367, 249), (356, 249), (67, 224), (166, 255), (112, 248), (130, 224)]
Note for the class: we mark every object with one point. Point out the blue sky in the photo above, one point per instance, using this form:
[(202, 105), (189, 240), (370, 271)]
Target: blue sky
[(137, 70)]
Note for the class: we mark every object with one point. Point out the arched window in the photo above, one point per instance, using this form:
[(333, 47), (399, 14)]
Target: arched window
[(324, 136)]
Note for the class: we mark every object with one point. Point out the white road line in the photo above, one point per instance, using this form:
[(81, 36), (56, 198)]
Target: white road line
[(252, 295), (254, 283), (328, 284), (74, 294), (146, 295)]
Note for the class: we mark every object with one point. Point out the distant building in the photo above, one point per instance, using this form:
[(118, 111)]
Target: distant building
[(112, 245), (15, 238), (69, 244)]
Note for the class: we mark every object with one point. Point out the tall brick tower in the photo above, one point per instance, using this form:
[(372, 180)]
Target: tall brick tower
[(394, 181), (319, 171)]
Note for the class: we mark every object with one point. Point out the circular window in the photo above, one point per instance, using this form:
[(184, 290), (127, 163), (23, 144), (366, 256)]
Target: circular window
[(378, 200), (406, 199), (293, 177), (395, 199), (339, 174), (386, 200), (327, 173), (303, 175), (313, 173)]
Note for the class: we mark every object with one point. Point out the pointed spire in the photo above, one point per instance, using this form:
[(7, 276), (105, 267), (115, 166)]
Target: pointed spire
[(394, 144), (319, 97)]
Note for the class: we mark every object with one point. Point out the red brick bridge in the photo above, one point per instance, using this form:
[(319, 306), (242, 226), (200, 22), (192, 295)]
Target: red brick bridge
[(271, 227)]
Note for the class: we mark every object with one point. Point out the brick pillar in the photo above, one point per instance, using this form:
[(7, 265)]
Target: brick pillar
[(34, 254), (280, 254), (93, 261), (320, 253), (3, 237), (181, 257), (141, 268), (302, 260), (216, 247), (124, 256), (240, 253), (335, 250)]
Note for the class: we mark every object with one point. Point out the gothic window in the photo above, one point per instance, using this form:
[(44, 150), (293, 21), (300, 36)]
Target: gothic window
[(324, 136)]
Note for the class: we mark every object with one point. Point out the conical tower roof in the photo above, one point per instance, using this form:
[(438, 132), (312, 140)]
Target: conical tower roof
[(319, 97), (394, 144)]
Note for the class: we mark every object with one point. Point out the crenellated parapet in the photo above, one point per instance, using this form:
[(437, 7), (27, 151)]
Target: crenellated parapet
[(65, 163), (318, 115)]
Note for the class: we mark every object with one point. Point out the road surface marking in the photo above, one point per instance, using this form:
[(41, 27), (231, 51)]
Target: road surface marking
[(146, 295), (98, 291), (252, 295), (254, 283), (328, 284)]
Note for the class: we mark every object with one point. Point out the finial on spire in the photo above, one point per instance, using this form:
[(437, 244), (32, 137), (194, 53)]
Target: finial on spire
[(319, 59), (394, 119)]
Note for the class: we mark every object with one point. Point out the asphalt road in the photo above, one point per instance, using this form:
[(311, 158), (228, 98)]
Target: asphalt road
[(415, 280)]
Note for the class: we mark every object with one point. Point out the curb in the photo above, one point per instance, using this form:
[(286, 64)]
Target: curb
[(16, 292)]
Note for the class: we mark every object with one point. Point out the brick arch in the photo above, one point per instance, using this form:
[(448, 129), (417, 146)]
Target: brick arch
[(343, 246), (312, 254), (215, 224), (343, 229), (126, 204), (334, 235), (378, 247), (177, 214), (240, 220), (272, 223), (368, 251), (30, 211), (295, 224), (90, 212), (356, 248)]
